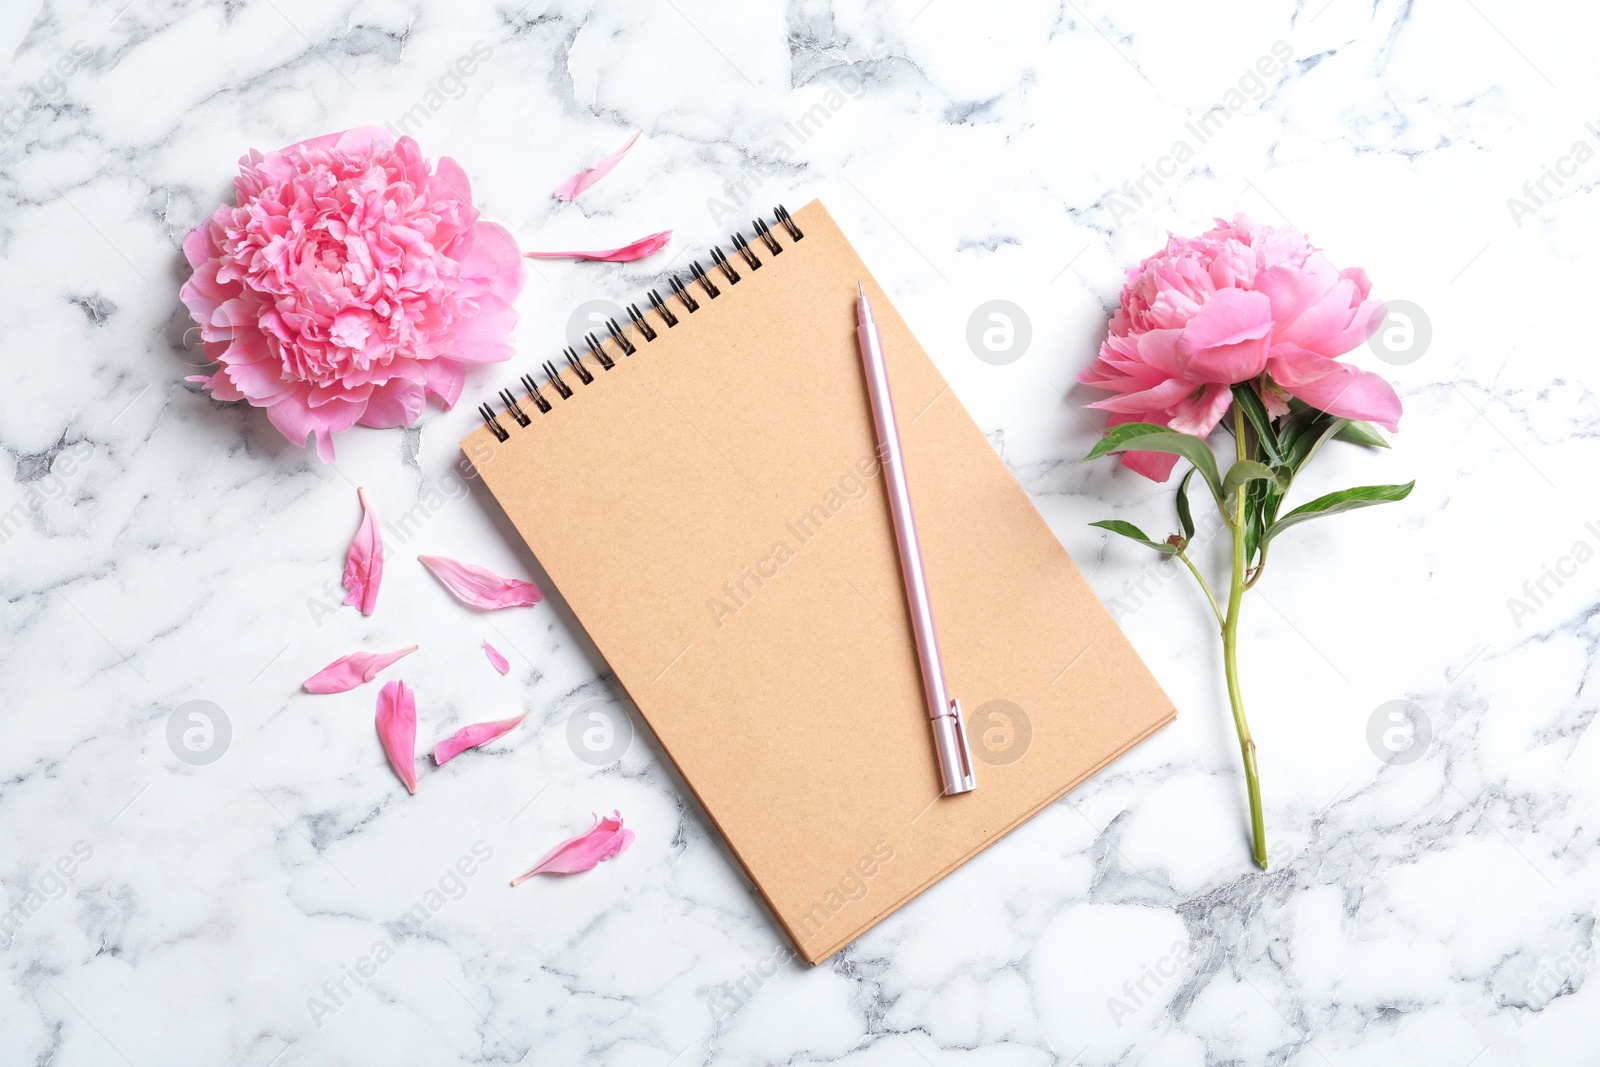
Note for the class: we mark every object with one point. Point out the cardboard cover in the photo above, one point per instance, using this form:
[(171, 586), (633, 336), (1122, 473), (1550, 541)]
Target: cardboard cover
[(711, 510)]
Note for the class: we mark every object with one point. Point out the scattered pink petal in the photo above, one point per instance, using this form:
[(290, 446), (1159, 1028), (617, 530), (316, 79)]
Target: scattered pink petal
[(583, 852), (644, 246), (347, 672), (585, 178), (397, 729), (363, 565), (501, 664), (479, 733), (479, 587)]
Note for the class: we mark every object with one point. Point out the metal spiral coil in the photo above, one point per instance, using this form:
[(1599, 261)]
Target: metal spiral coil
[(683, 294), (553, 376), (661, 309), (516, 412), (767, 239), (741, 246), (606, 362), (641, 323), (533, 394), (704, 279), (621, 338), (722, 261)]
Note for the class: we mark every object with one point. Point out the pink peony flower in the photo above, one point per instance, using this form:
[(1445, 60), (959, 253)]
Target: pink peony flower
[(350, 282), (1237, 302)]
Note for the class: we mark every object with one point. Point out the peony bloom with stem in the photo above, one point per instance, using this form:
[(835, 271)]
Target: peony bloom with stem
[(348, 283), (1239, 303), (1242, 327)]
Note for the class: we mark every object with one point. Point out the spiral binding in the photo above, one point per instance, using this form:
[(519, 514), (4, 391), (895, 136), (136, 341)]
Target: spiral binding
[(538, 400)]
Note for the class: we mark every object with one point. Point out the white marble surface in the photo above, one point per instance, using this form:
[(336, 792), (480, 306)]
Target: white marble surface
[(170, 548)]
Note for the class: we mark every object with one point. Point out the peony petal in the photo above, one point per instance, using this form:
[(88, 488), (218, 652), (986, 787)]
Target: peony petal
[(397, 403), (1337, 388), (494, 265), (479, 587), (445, 378), (1228, 338), (584, 852), (1198, 415), (363, 564), (480, 733), (585, 178), (501, 664), (485, 337), (347, 672), (397, 729), (644, 246)]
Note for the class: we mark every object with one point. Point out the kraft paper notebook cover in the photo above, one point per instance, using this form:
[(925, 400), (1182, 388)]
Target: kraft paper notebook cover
[(710, 508)]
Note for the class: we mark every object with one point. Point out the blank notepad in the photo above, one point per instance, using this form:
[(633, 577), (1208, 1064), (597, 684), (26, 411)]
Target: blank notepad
[(711, 510)]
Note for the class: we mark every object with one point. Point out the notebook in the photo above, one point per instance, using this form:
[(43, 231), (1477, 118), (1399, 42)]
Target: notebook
[(710, 508)]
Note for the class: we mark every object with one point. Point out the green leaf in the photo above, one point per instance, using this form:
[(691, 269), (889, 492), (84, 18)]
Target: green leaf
[(1273, 501), (1248, 470), (1344, 500), (1293, 426), (1133, 533), (1255, 520), (1146, 437), (1250, 403), (1309, 436), (1362, 433), (1185, 519)]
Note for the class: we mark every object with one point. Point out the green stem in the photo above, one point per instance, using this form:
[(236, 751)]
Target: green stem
[(1206, 587), (1230, 658)]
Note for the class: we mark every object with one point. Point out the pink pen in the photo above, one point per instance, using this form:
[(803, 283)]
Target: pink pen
[(949, 734)]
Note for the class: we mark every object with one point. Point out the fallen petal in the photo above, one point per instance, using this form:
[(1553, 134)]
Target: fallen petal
[(583, 852), (397, 729), (363, 564), (501, 664), (585, 178), (479, 587), (347, 672), (479, 733), (644, 246)]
